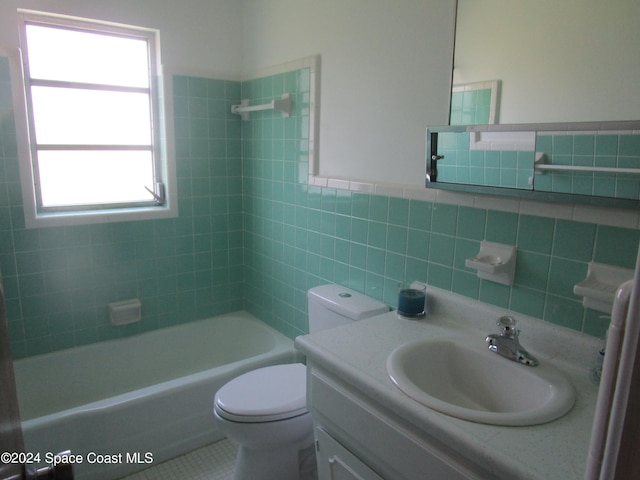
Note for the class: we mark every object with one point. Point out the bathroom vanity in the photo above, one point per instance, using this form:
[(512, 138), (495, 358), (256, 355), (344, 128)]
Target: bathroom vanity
[(367, 428)]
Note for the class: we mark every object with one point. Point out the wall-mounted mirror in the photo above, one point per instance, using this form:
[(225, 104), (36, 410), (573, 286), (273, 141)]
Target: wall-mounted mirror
[(556, 61), (598, 164)]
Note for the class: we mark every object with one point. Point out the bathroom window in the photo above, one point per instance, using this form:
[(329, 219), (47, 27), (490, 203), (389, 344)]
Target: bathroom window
[(93, 121)]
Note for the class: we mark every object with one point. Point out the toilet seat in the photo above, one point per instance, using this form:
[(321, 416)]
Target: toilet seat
[(264, 395)]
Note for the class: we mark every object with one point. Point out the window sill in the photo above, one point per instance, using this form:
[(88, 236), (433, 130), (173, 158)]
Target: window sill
[(59, 219)]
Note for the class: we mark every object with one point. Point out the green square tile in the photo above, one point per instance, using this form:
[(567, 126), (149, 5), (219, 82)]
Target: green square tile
[(441, 249), (375, 260), (574, 240), (395, 266), (314, 197), (617, 246), (471, 223), (377, 236), (544, 143), (343, 202), (466, 283), (629, 145), (535, 234), (29, 262), (416, 270), (532, 270), (359, 230), (360, 205), (342, 249), (508, 159), (444, 218), (418, 244), (494, 293), (358, 256), (492, 177), (343, 226), (527, 301), (604, 187), (379, 208), (584, 145), (562, 145), (328, 223), (327, 246), (440, 276), (627, 188), (606, 145), (328, 202), (420, 214), (397, 239), (399, 211), (502, 227), (492, 158)]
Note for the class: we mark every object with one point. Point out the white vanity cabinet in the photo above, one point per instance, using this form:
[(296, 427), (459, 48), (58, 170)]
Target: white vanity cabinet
[(367, 428), (357, 440), (335, 462)]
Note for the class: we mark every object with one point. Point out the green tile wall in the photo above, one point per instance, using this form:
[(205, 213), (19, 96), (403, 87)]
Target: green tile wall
[(58, 281), (298, 236), (251, 233)]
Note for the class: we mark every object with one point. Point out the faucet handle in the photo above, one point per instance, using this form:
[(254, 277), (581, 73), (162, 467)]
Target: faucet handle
[(508, 326)]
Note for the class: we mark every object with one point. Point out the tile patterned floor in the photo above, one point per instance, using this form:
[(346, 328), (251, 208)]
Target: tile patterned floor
[(213, 462)]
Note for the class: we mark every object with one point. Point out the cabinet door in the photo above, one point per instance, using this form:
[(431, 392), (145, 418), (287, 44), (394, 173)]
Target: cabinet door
[(335, 462)]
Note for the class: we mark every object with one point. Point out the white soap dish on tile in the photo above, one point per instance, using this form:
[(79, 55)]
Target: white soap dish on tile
[(495, 262), (125, 312), (599, 288)]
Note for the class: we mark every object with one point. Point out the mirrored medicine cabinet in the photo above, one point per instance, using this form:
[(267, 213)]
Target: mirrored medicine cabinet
[(519, 62), (589, 163)]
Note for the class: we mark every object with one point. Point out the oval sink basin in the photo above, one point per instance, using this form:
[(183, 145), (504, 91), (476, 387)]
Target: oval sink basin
[(470, 382)]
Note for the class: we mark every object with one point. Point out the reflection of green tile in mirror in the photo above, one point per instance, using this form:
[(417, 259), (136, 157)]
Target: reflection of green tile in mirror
[(466, 164), (589, 150), (471, 107)]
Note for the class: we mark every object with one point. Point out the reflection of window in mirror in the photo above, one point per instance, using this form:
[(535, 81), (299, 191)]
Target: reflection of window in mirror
[(475, 103)]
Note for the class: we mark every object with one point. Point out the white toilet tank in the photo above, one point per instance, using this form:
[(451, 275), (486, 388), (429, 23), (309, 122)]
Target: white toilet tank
[(332, 305)]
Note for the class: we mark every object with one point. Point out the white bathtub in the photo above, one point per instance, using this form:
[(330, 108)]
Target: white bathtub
[(143, 398)]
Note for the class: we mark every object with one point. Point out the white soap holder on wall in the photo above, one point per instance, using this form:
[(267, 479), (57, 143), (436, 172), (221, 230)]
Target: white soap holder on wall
[(125, 312), (599, 288), (495, 262)]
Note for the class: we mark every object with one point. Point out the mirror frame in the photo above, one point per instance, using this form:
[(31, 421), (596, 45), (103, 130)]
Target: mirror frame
[(432, 158)]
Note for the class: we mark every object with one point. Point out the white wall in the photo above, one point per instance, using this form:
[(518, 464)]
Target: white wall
[(197, 36), (385, 76)]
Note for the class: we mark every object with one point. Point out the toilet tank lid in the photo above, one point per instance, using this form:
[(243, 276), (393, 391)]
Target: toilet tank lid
[(346, 302)]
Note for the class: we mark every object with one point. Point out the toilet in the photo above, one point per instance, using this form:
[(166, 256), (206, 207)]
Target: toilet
[(264, 411)]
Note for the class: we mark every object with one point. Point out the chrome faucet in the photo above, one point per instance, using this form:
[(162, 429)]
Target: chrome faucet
[(506, 342)]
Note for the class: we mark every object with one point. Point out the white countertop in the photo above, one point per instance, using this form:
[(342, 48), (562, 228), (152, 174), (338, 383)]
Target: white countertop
[(357, 353)]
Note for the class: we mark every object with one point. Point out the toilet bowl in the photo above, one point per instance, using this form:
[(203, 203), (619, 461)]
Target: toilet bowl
[(264, 411)]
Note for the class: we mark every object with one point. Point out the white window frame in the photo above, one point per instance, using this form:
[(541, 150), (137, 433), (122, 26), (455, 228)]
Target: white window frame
[(165, 205)]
